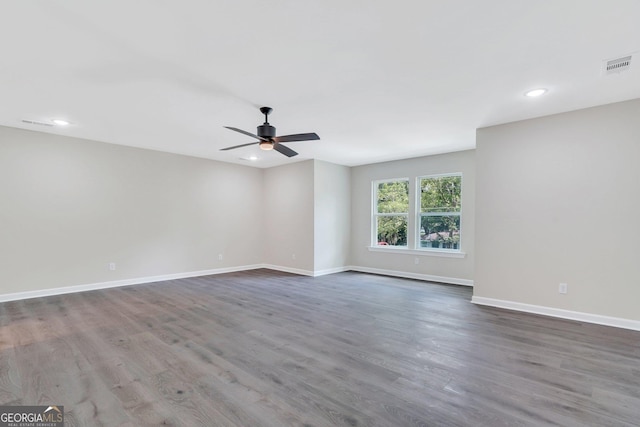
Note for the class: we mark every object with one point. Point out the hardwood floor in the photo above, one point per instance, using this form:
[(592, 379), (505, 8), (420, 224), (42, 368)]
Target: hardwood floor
[(265, 348)]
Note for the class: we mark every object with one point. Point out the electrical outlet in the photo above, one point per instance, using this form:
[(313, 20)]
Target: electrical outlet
[(416, 261), (112, 266), (220, 257), (562, 288)]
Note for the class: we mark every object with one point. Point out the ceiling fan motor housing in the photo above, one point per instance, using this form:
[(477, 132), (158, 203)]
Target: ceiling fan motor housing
[(266, 131)]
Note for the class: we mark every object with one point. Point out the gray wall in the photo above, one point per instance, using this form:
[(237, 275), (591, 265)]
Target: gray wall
[(558, 200), (332, 213), (455, 270), (289, 217), (69, 207)]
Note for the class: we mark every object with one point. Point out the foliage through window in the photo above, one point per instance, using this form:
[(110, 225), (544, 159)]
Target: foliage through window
[(391, 212), (439, 217), (434, 222)]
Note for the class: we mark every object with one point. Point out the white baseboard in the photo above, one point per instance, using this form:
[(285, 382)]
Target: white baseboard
[(117, 283), (301, 272), (150, 279), (330, 271), (510, 305), (288, 269), (557, 312), (409, 275)]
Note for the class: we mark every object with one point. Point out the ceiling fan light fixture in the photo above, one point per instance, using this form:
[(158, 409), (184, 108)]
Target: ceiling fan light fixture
[(266, 145)]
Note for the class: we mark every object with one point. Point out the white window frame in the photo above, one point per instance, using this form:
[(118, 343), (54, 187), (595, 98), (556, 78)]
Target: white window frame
[(420, 214), (375, 214)]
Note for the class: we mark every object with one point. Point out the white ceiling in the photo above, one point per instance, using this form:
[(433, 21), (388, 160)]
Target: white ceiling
[(377, 80)]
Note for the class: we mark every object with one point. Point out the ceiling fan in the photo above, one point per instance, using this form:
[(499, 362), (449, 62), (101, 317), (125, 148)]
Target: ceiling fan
[(268, 139)]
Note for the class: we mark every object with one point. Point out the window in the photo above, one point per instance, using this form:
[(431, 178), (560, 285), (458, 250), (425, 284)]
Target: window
[(391, 212), (439, 216), (421, 216)]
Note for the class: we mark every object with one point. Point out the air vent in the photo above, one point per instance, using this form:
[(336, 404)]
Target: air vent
[(33, 122), (617, 65)]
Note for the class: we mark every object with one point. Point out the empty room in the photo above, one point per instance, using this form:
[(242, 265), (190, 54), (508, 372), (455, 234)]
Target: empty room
[(286, 213)]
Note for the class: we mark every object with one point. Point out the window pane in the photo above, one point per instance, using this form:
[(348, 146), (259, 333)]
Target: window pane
[(440, 194), (392, 230), (393, 197), (440, 232)]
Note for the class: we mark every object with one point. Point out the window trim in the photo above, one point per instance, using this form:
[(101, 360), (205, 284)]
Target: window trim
[(435, 252), (419, 214), (375, 214)]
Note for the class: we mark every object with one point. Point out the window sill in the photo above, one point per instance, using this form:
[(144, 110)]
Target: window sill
[(422, 252)]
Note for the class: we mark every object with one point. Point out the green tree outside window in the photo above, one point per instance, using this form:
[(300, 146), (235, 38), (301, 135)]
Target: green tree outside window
[(392, 211), (440, 207)]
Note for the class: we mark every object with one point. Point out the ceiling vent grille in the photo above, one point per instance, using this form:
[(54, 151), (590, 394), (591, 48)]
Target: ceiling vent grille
[(33, 122), (617, 65)]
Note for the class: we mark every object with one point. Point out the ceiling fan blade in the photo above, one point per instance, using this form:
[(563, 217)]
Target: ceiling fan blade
[(297, 137), (244, 132), (238, 146), (284, 150)]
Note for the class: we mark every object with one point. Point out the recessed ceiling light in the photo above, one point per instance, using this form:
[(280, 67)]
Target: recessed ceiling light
[(535, 92), (253, 158), (60, 122)]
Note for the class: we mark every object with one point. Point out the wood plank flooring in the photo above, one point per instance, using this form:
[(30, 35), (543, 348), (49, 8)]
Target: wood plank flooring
[(265, 348)]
